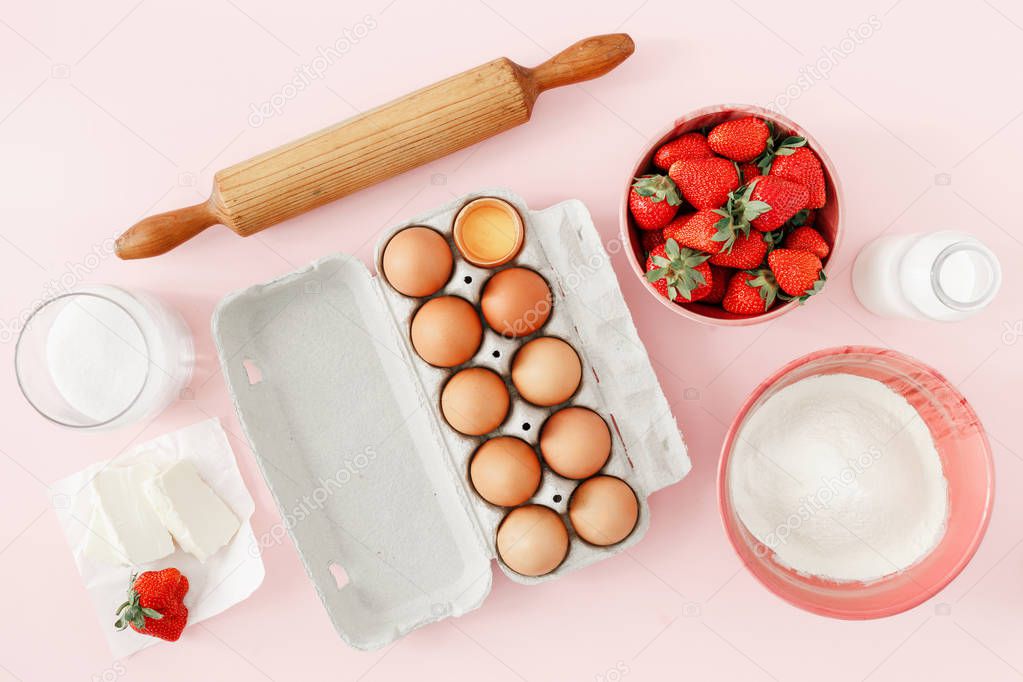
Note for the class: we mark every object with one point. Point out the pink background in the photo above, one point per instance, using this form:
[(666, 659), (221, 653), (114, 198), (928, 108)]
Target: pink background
[(109, 111)]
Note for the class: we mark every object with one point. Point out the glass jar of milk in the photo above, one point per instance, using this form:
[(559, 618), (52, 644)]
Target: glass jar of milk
[(944, 276), (102, 356)]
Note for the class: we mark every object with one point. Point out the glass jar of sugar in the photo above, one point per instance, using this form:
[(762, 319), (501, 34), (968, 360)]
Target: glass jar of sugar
[(944, 276), (102, 357)]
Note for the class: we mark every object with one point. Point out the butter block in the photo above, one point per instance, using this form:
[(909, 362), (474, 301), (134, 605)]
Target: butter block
[(124, 528), (194, 514)]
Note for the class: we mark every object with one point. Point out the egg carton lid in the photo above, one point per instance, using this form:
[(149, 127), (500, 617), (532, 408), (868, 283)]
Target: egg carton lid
[(348, 441)]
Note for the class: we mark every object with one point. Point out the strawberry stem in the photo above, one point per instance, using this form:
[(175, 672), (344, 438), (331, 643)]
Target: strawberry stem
[(775, 148), (658, 188), (678, 269), (132, 612)]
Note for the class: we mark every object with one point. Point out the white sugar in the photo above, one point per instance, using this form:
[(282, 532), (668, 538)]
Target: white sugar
[(839, 476), (96, 356)]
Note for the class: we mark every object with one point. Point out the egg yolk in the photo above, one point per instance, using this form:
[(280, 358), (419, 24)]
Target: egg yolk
[(489, 232)]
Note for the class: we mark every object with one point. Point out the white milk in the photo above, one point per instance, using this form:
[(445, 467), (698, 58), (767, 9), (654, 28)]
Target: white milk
[(944, 276)]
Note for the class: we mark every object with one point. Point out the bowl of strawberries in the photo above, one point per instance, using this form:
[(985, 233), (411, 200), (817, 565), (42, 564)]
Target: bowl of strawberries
[(732, 216)]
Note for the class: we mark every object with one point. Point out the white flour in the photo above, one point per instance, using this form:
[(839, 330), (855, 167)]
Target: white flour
[(838, 475), (96, 356)]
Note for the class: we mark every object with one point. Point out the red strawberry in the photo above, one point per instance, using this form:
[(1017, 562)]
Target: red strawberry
[(688, 146), (705, 183), (806, 239), (696, 231), (653, 201), (748, 171), (747, 252), (718, 284), (169, 627), (777, 147), (681, 275), (155, 604), (743, 139), (651, 239), (750, 293), (798, 273), (802, 165), (782, 198)]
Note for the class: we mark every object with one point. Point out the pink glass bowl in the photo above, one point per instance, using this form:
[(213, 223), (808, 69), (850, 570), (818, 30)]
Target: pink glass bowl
[(827, 218), (966, 460)]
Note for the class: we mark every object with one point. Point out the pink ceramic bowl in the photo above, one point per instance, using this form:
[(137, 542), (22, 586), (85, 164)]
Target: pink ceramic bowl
[(966, 459), (827, 218)]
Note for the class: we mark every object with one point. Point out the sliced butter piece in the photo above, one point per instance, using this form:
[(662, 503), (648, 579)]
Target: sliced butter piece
[(101, 543), (194, 514), (123, 528)]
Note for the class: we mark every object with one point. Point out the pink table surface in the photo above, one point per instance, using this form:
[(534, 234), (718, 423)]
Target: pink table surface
[(109, 111)]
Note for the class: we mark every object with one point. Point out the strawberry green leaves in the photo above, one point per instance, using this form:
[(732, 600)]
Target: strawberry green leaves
[(777, 147), (132, 612), (657, 188), (680, 269), (763, 282), (817, 287), (737, 214), (775, 237)]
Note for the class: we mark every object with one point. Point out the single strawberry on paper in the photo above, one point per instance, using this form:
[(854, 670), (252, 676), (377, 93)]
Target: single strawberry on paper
[(155, 604)]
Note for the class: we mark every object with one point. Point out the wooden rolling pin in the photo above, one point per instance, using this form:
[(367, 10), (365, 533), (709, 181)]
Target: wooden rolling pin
[(379, 144)]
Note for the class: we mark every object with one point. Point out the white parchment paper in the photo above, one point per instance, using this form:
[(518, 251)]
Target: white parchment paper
[(226, 578)]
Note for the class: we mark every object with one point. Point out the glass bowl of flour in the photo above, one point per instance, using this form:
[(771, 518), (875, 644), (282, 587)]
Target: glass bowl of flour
[(856, 482), (103, 357)]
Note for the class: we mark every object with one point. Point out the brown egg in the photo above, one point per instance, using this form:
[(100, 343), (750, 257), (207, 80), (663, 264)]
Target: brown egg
[(446, 331), (474, 401), (505, 471), (603, 510), (575, 442), (532, 540), (546, 371), (516, 302), (417, 261)]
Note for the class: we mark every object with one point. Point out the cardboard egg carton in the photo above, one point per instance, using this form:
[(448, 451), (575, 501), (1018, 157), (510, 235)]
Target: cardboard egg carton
[(344, 419)]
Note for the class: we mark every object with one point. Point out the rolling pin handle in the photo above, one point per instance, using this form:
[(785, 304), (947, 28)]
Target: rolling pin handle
[(586, 59), (160, 233)]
